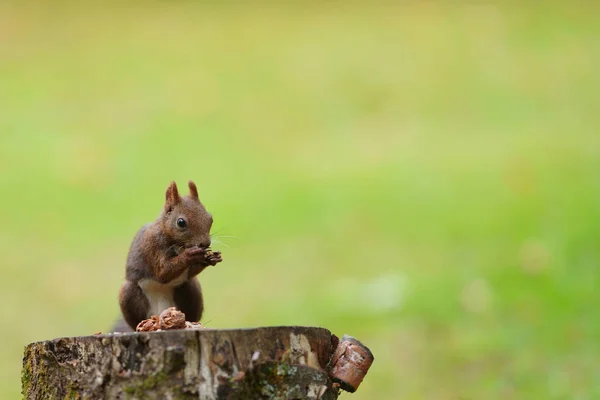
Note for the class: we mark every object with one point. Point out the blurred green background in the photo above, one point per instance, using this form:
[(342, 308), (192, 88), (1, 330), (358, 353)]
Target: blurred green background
[(423, 176)]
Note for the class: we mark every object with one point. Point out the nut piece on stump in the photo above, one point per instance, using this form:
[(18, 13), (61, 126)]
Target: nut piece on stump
[(193, 325), (350, 363), (172, 318), (148, 325)]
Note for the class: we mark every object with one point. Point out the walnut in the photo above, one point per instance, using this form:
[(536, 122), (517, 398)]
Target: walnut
[(148, 325), (172, 318), (169, 319)]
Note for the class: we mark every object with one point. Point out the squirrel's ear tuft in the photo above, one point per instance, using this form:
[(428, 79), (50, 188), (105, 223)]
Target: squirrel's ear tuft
[(193, 190), (171, 197)]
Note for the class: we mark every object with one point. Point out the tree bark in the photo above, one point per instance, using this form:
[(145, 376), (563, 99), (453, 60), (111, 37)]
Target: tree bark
[(261, 363)]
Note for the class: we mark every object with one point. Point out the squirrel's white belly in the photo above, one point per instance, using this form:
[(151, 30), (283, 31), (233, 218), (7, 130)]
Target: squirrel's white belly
[(160, 295), (159, 302)]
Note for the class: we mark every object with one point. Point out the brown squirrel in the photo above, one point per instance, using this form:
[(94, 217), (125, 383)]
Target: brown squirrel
[(165, 258)]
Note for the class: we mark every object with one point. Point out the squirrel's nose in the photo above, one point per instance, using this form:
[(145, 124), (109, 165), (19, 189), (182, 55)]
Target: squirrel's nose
[(205, 244)]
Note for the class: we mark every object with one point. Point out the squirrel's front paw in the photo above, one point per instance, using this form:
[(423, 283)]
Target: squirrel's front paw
[(195, 255), (203, 256), (213, 257)]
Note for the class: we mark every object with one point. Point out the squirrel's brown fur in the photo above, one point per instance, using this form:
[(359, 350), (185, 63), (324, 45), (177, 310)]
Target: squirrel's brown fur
[(165, 258)]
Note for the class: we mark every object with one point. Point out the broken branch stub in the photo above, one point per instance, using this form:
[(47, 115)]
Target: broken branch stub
[(350, 363)]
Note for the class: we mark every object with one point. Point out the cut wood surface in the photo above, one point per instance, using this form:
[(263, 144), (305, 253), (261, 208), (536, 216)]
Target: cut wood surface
[(261, 363)]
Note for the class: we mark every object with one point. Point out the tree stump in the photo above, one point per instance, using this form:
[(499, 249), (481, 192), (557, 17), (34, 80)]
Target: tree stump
[(262, 363)]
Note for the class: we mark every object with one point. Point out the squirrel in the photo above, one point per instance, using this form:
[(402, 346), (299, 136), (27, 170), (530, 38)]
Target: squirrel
[(164, 259)]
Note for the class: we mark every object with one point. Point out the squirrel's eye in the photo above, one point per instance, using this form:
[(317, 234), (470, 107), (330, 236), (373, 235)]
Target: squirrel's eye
[(181, 223)]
